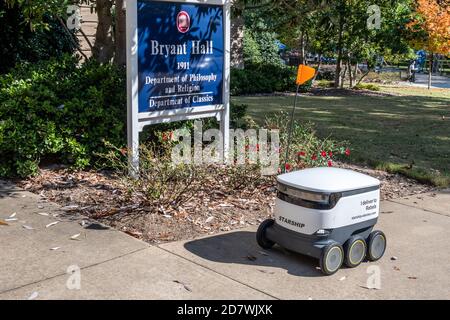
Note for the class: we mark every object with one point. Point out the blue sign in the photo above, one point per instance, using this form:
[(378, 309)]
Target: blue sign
[(180, 55)]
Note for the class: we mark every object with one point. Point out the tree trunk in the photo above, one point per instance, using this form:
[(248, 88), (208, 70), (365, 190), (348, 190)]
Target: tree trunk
[(237, 42), (337, 78), (319, 64), (120, 56), (350, 74), (430, 70), (362, 77), (343, 75), (104, 45), (302, 48), (355, 73)]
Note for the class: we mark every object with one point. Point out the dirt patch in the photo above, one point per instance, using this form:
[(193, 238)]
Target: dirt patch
[(99, 196)]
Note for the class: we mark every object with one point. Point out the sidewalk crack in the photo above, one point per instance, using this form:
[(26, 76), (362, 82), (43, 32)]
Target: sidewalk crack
[(423, 209), (64, 273), (219, 273)]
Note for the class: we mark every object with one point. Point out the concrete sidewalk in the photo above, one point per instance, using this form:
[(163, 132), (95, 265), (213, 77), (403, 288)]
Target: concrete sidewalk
[(114, 265)]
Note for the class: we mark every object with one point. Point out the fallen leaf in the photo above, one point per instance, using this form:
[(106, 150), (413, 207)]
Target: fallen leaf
[(51, 224), (394, 258), (33, 296), (209, 219), (75, 236), (412, 278), (251, 258), (55, 248), (45, 214), (370, 288), (184, 285), (263, 253), (265, 271), (3, 223), (396, 268), (343, 278), (27, 227), (69, 208), (226, 205), (167, 216), (13, 215), (11, 219)]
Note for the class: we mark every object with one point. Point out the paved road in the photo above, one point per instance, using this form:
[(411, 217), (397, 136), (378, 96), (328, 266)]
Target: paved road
[(114, 265), (437, 82)]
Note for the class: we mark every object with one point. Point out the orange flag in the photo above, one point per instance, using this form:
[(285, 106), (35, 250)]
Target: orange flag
[(304, 74)]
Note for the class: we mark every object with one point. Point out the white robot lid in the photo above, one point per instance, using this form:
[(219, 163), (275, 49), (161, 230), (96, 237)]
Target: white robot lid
[(327, 179)]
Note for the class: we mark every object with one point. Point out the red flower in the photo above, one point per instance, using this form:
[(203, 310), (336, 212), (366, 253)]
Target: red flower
[(257, 147), (330, 154), (164, 137), (301, 154), (314, 157), (171, 135), (347, 152), (330, 163), (288, 167), (323, 154), (123, 151)]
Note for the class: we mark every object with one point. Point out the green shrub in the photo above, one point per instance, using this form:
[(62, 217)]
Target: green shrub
[(367, 86), (324, 83), (61, 111), (264, 79)]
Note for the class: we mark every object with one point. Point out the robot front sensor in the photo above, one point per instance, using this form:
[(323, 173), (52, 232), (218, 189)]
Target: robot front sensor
[(326, 213)]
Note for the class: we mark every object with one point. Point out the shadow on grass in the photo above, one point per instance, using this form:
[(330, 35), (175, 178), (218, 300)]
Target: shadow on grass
[(240, 247)]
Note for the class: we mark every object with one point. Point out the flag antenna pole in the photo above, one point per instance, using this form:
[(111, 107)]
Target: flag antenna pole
[(304, 74), (291, 126)]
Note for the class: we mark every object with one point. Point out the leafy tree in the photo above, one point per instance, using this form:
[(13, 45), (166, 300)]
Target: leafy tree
[(260, 42), (339, 28), (20, 44), (110, 35), (431, 28)]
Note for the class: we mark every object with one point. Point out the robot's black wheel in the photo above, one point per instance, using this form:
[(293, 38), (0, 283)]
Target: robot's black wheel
[(261, 234), (376, 245), (355, 251), (332, 258)]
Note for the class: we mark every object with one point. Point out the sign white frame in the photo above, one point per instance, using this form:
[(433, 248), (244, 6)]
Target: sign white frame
[(136, 121)]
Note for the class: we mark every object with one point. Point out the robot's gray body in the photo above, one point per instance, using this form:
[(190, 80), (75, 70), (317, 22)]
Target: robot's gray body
[(326, 213)]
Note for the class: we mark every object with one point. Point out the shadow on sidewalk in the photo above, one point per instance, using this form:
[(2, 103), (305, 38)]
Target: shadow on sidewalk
[(240, 247)]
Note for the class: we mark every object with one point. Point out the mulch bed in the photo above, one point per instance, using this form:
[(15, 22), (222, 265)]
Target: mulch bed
[(99, 196)]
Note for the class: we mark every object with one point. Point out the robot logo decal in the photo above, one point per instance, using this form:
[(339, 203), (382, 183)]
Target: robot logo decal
[(291, 222), (183, 22)]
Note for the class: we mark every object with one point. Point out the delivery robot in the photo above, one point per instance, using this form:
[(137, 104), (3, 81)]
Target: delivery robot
[(326, 213)]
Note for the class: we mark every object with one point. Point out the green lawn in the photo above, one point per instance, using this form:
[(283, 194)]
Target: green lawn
[(388, 132)]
